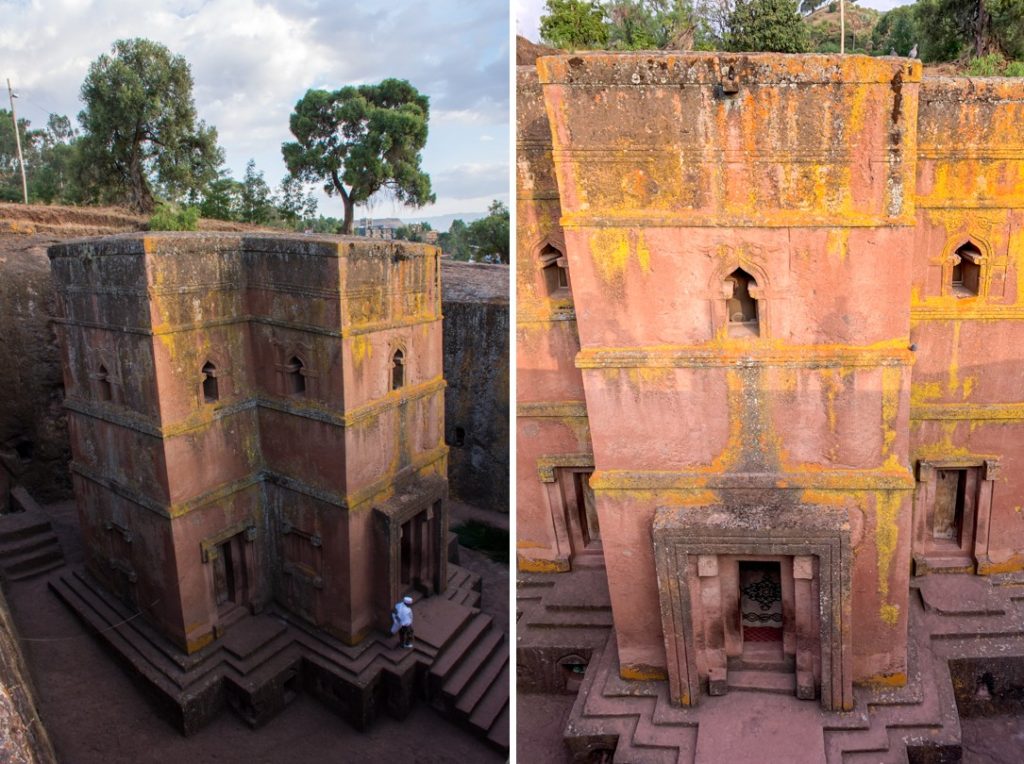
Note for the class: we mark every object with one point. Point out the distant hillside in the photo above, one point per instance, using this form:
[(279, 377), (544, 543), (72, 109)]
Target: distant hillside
[(442, 223)]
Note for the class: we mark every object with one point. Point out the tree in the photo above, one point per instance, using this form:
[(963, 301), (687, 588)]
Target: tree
[(489, 236), (56, 177), (455, 241), (766, 25), (255, 199), (141, 132), (983, 26), (360, 140), (222, 199), (649, 24), (295, 202), (10, 172), (574, 24), (896, 30)]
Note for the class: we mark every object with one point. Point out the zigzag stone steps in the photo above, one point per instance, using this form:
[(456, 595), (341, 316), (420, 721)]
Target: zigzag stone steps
[(481, 682), (481, 654), (498, 734), (28, 545), (492, 702), (916, 722), (262, 661)]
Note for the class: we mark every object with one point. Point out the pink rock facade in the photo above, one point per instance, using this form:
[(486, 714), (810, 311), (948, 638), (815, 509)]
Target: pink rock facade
[(256, 418), (767, 319)]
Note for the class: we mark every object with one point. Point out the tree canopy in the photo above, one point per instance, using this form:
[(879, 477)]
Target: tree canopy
[(483, 239), (141, 133), (360, 140), (574, 24), (766, 25)]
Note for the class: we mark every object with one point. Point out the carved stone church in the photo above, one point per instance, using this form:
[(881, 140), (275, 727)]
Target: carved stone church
[(256, 418), (770, 346)]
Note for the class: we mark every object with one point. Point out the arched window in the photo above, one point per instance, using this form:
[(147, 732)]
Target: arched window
[(740, 305), (210, 392), (397, 370), (295, 377), (103, 380), (556, 272), (966, 280)]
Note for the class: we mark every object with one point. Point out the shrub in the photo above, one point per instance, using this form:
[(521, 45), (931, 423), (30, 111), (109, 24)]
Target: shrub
[(1014, 69), (991, 65), (171, 217)]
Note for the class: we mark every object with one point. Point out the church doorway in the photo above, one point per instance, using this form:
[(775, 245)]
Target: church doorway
[(761, 615)]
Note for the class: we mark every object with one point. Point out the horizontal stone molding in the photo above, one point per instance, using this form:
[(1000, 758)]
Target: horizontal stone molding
[(968, 411), (552, 409), (818, 479), (309, 409), (713, 355), (653, 69), (546, 465), (954, 311), (775, 218), (534, 316), (223, 491)]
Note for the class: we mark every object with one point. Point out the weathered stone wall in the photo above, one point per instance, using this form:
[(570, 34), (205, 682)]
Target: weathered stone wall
[(23, 739), (475, 302), (33, 427), (326, 354), (672, 172), (968, 383), (551, 414)]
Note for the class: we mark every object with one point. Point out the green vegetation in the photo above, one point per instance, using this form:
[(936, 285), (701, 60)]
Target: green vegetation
[(766, 25), (574, 24), (958, 31), (485, 538), (360, 140), (140, 130), (171, 217), (486, 239)]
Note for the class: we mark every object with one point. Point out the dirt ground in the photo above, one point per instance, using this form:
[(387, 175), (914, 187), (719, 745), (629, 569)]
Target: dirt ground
[(96, 716)]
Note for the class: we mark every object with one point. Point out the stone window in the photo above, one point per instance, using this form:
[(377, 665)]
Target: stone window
[(210, 392), (740, 291), (460, 437), (556, 272), (295, 376), (966, 274), (103, 384), (397, 370), (951, 514)]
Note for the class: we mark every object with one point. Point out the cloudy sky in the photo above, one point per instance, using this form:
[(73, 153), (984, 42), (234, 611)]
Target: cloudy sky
[(253, 59), (528, 13)]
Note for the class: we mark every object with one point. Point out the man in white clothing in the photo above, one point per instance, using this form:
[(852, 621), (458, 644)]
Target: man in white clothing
[(401, 621)]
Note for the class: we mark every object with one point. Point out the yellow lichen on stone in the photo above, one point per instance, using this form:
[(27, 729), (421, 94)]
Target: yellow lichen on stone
[(890, 614), (887, 507), (642, 672)]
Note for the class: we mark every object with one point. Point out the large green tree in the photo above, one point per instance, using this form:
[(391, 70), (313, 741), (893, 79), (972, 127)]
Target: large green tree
[(574, 24), (360, 140), (981, 27), (489, 236), (652, 24), (766, 25), (141, 134)]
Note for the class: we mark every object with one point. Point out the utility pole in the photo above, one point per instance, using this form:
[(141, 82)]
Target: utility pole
[(842, 26), (17, 142)]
